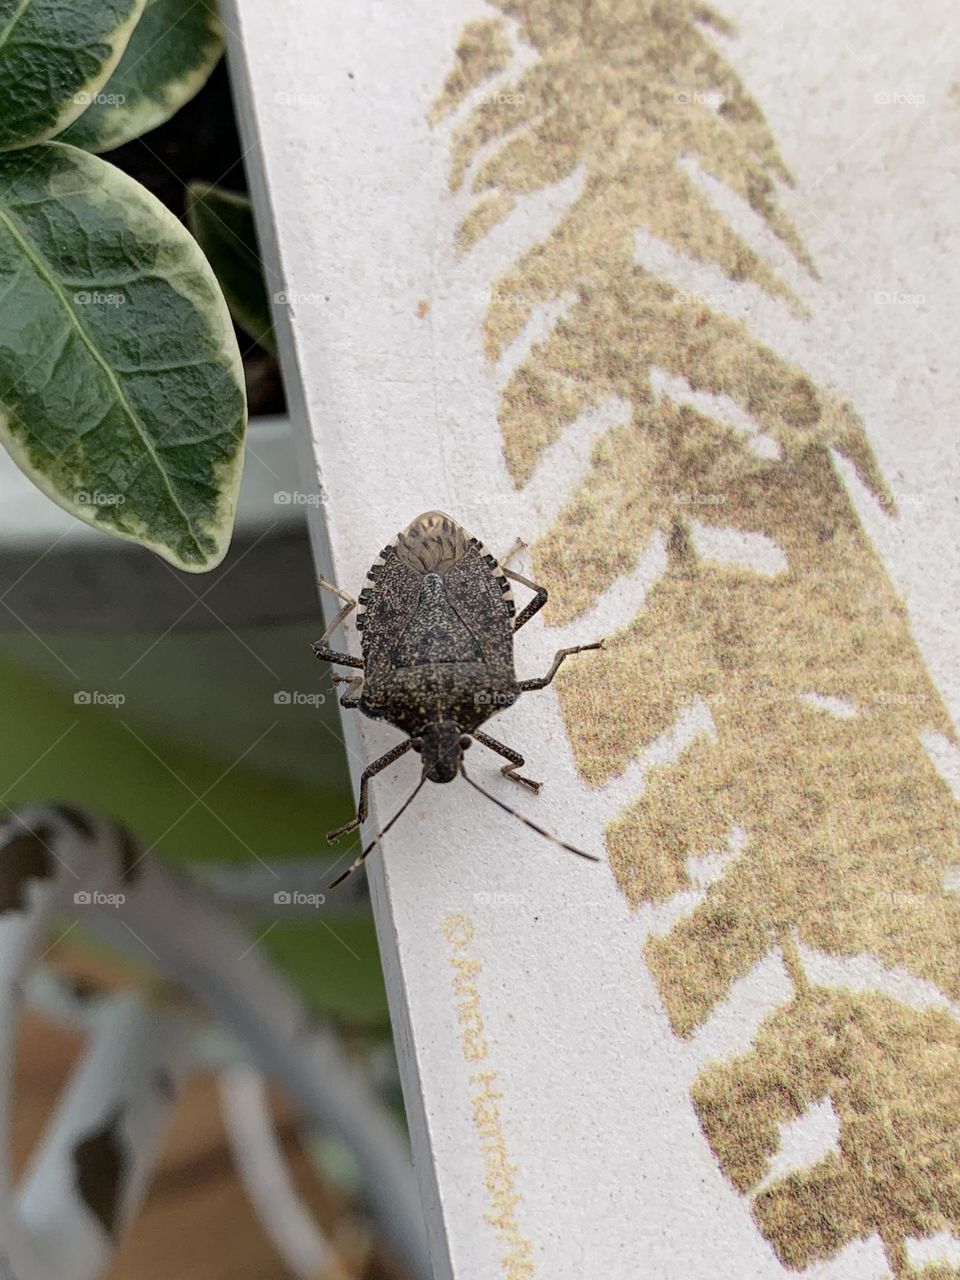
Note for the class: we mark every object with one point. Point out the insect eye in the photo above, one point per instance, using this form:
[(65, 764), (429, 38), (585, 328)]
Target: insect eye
[(465, 742), (416, 743)]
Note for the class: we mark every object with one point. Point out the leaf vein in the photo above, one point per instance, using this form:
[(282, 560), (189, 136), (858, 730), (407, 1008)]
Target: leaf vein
[(45, 272), (21, 9)]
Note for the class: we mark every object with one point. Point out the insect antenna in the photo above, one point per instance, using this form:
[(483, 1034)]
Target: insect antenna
[(380, 834), (571, 848)]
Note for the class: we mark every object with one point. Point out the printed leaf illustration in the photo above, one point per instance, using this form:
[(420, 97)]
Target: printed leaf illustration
[(893, 1078), (54, 59), (175, 46), (222, 222), (121, 392), (849, 828)]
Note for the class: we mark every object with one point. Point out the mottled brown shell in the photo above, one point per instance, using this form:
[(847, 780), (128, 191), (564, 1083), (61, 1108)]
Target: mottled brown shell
[(479, 625)]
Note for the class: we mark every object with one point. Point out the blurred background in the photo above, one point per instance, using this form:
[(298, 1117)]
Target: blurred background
[(190, 708)]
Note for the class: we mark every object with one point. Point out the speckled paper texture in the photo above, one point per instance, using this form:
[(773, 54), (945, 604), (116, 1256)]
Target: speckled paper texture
[(670, 292)]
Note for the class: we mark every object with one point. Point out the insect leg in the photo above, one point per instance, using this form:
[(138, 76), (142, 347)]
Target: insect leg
[(349, 604), (332, 655), (517, 547), (358, 860), (351, 695), (320, 649), (540, 596), (516, 760), (371, 771), (535, 605), (543, 681)]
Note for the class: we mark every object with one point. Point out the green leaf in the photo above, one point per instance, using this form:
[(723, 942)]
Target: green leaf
[(55, 57), (121, 387), (222, 222), (175, 46)]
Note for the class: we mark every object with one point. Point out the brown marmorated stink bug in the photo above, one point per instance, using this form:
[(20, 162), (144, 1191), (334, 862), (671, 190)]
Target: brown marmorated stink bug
[(436, 619)]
